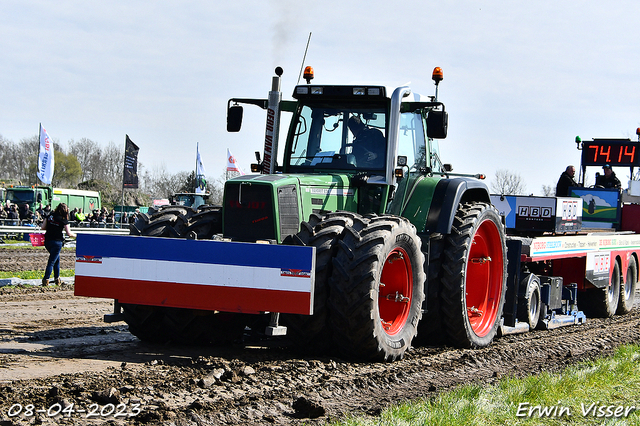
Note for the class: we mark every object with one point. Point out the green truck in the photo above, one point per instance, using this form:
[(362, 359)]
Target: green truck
[(45, 195)]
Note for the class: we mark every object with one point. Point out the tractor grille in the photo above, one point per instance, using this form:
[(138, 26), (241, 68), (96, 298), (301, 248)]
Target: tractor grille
[(288, 208), (249, 212)]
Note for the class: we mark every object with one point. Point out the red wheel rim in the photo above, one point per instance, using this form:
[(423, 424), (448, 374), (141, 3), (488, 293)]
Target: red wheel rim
[(484, 277), (396, 291)]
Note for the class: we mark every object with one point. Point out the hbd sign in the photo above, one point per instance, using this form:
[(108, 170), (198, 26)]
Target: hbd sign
[(535, 212)]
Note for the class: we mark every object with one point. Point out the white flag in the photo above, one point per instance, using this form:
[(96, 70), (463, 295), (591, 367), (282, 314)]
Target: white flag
[(232, 166), (201, 183), (45, 158)]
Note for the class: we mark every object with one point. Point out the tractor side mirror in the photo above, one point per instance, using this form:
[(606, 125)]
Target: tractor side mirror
[(234, 118), (437, 123)]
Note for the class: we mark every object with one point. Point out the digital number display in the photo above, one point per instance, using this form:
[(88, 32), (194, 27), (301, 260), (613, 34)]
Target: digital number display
[(615, 152)]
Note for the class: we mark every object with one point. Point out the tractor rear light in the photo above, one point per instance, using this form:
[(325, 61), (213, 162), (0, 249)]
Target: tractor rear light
[(256, 168), (302, 90), (638, 131), (399, 173), (358, 91), (317, 90), (373, 91)]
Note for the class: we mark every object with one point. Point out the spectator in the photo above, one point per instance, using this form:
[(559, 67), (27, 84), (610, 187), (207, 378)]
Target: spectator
[(54, 224), (124, 218), (40, 210), (80, 217), (27, 215), (13, 216), (24, 212), (111, 217), (3, 214), (37, 218)]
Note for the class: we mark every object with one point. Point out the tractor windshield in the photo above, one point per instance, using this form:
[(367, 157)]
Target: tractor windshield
[(350, 138)]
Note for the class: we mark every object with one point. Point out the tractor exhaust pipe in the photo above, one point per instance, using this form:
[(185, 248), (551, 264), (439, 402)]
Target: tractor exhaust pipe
[(273, 125)]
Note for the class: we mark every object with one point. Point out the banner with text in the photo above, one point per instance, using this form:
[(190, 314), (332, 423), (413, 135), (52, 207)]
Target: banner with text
[(130, 179)]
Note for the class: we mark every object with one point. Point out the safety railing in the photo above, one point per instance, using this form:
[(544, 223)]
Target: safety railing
[(13, 228)]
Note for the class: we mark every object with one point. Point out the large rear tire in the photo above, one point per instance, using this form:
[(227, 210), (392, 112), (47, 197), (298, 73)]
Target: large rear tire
[(376, 290), (310, 333), (473, 276), (186, 326), (628, 288)]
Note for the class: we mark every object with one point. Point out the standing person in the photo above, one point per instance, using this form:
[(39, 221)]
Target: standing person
[(565, 182), (54, 224)]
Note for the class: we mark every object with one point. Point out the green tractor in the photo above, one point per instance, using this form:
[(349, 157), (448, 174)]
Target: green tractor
[(405, 250)]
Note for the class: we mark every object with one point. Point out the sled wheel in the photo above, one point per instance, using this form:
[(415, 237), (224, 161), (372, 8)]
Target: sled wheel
[(376, 290), (529, 305), (310, 333), (628, 289), (603, 302), (473, 282)]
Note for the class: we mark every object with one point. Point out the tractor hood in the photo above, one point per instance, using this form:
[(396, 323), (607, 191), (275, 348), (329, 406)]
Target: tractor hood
[(271, 207)]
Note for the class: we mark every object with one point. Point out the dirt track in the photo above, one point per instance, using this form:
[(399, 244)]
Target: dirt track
[(56, 351)]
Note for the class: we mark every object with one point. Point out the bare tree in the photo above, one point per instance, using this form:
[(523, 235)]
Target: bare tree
[(548, 190), (113, 164), (88, 154), (507, 183), (97, 168)]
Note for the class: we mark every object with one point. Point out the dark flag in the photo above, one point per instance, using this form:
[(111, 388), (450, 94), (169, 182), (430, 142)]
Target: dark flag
[(130, 179)]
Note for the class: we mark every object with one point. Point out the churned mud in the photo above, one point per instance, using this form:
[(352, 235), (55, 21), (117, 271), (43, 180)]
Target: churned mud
[(61, 364)]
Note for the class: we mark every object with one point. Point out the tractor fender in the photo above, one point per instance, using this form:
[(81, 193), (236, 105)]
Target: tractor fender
[(448, 194)]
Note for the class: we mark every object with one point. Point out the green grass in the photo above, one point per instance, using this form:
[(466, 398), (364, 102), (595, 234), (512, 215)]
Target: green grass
[(571, 398), (32, 275)]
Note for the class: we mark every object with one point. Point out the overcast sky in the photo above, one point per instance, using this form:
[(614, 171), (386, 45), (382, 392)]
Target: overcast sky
[(521, 78)]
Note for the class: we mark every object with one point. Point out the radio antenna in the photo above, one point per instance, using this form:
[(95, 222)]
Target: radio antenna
[(304, 58)]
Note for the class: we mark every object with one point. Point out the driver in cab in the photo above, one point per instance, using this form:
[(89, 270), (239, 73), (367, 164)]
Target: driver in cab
[(369, 144)]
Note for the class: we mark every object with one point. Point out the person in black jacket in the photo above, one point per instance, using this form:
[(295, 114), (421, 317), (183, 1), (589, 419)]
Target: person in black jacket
[(565, 182), (608, 179), (54, 224), (369, 144)]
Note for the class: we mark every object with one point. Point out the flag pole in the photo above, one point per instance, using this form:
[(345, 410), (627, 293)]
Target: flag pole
[(37, 158), (123, 167), (197, 182)]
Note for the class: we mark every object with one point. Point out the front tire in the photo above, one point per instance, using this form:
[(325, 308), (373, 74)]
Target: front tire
[(473, 277), (310, 333), (377, 289)]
